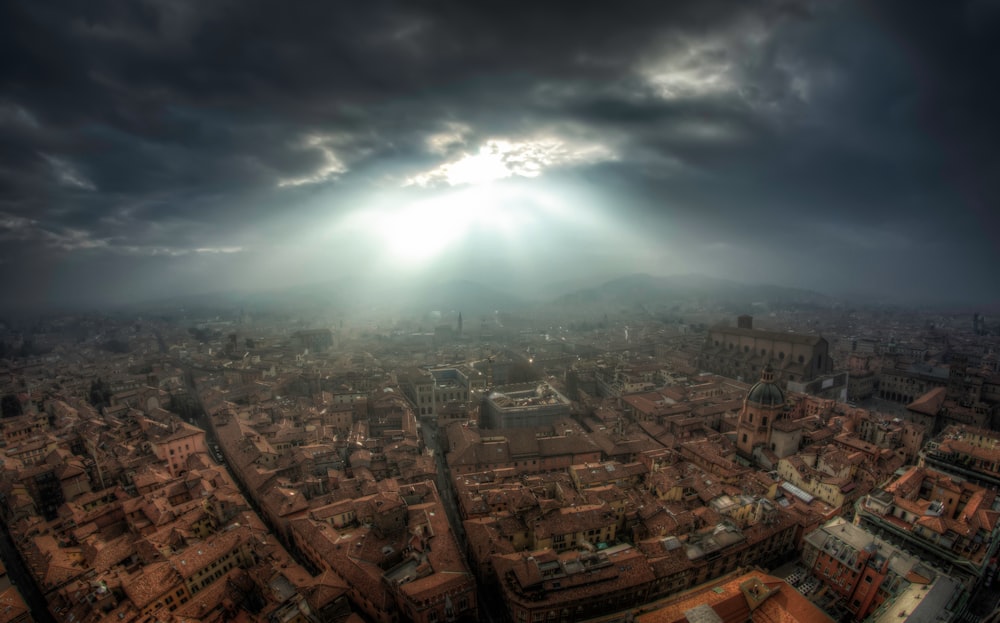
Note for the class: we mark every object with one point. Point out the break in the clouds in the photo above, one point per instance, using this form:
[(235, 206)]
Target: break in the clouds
[(162, 147), (330, 168), (499, 159)]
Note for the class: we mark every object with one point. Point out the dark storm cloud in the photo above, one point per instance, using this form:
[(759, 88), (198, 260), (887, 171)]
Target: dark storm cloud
[(954, 54), (181, 132)]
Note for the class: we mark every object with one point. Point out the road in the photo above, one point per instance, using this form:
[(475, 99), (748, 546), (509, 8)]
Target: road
[(444, 482), (491, 606)]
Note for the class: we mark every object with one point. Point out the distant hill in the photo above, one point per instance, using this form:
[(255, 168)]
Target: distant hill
[(647, 290), (469, 297), (640, 292)]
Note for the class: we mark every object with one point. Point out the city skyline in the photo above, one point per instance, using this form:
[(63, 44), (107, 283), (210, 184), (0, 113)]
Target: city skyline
[(153, 150)]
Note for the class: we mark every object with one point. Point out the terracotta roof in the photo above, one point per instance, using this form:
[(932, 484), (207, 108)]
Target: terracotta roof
[(154, 580), (929, 403), (794, 338), (12, 605), (726, 598)]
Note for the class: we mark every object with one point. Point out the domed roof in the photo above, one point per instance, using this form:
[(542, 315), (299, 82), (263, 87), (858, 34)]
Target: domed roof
[(766, 392)]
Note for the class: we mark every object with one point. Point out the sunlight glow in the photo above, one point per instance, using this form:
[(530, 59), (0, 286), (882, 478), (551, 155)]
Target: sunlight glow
[(498, 159), (414, 232)]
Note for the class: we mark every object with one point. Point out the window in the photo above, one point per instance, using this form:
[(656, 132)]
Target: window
[(764, 423), (744, 437), (781, 355), (801, 358)]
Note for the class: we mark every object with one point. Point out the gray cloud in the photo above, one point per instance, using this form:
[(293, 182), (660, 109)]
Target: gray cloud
[(816, 144)]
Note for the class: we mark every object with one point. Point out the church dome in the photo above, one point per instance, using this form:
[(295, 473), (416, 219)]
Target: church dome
[(766, 392)]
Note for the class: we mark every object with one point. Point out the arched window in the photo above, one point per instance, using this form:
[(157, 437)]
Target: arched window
[(801, 359), (764, 423), (781, 355)]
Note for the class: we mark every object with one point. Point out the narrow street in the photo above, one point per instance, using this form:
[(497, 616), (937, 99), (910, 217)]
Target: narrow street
[(491, 607), (443, 482)]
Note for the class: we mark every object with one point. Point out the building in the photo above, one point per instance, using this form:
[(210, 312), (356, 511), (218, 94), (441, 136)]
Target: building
[(890, 432), (524, 405), (833, 386), (431, 390), (906, 383), (948, 522), (967, 452), (763, 406), (395, 552), (868, 574), (572, 586), (735, 598), (526, 450), (173, 442), (814, 476), (862, 377), (742, 352), (13, 608)]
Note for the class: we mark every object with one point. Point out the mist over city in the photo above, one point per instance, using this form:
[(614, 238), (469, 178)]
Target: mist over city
[(441, 312)]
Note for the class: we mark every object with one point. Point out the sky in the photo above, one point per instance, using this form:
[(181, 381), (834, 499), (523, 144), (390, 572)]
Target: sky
[(168, 147)]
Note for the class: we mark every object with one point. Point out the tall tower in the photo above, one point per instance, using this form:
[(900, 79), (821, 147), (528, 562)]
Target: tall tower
[(460, 324), (763, 405)]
